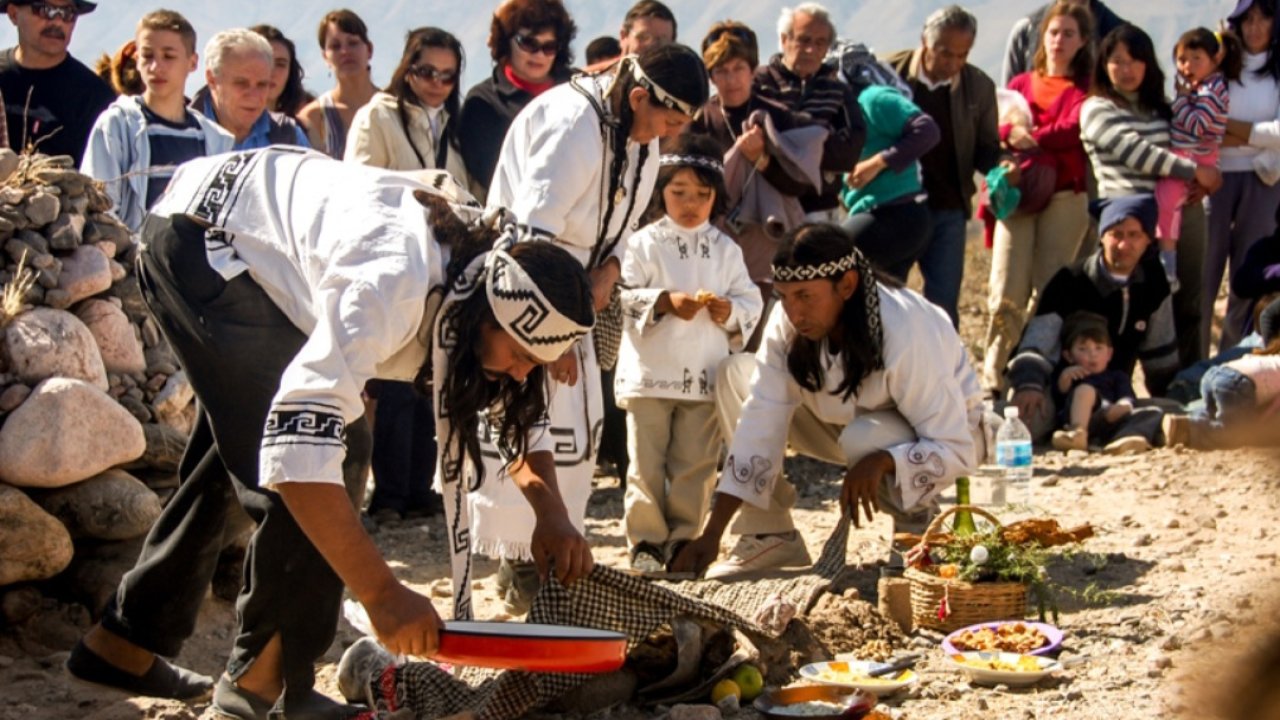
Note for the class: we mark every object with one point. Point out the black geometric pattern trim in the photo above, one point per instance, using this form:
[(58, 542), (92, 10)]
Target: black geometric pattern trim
[(535, 313), (224, 184), (304, 424)]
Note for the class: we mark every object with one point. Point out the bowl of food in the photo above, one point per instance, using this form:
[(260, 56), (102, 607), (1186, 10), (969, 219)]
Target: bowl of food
[(1002, 668), (1014, 636), (857, 674), (816, 701)]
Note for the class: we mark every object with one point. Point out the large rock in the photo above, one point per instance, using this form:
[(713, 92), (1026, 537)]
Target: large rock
[(65, 432), (35, 545), (85, 272), (65, 232), (46, 342), (118, 343), (95, 573), (112, 506), (41, 208)]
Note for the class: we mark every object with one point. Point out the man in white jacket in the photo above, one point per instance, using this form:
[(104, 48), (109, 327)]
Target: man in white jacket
[(855, 370)]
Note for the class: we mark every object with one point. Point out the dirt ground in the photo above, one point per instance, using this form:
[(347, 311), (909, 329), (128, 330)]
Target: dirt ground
[(1182, 582)]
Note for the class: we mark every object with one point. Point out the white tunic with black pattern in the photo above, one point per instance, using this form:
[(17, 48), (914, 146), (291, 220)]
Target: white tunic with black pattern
[(346, 253), (663, 356), (927, 379)]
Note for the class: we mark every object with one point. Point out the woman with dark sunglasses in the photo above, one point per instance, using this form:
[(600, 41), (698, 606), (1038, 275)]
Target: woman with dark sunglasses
[(413, 124), (529, 43)]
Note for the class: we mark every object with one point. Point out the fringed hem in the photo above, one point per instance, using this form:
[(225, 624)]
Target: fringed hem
[(497, 548)]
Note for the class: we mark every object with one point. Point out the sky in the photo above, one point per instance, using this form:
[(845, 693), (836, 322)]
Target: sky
[(886, 26)]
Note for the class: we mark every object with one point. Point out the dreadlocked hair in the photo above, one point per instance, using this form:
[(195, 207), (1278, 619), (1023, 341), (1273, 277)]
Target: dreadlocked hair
[(816, 244), (468, 394)]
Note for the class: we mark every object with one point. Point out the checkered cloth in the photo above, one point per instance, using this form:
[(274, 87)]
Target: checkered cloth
[(607, 333), (607, 600)]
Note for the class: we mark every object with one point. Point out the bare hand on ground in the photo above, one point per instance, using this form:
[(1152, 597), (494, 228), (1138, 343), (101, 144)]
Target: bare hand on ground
[(862, 483), (697, 555)]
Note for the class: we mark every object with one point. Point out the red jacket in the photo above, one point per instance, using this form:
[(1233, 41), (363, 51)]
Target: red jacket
[(1057, 131)]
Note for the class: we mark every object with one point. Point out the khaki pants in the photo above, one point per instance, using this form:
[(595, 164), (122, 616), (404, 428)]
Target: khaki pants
[(1027, 251), (810, 436), (673, 445)]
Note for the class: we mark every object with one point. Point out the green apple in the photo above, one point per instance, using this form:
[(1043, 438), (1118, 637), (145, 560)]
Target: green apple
[(749, 680)]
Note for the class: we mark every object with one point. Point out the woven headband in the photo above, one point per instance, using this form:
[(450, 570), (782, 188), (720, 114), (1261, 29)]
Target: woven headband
[(829, 269), (658, 92), (523, 311), (695, 160)]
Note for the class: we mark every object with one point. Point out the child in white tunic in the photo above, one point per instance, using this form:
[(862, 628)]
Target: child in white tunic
[(689, 302)]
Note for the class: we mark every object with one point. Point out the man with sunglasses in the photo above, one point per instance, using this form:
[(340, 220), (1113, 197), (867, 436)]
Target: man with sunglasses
[(51, 98)]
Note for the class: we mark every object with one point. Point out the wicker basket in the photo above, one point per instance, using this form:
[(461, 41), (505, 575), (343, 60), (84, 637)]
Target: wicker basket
[(969, 603)]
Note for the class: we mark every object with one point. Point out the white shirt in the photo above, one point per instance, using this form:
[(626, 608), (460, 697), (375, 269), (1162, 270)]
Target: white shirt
[(927, 379), (663, 356), (1255, 100), (553, 170), (345, 252), (1264, 371)]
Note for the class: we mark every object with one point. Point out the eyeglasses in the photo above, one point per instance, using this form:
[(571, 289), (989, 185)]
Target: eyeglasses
[(426, 72), (528, 44), (55, 12), (743, 34)]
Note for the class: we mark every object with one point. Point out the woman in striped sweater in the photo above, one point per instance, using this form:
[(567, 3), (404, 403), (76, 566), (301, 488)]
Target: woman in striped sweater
[(1125, 128)]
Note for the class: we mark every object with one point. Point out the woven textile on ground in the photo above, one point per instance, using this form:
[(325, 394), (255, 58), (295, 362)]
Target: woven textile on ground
[(608, 600)]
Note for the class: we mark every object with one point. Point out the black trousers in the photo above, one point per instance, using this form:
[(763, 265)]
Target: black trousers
[(234, 344), (892, 236), (404, 449)]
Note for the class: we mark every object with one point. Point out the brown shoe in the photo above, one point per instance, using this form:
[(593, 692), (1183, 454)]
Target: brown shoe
[(1071, 439)]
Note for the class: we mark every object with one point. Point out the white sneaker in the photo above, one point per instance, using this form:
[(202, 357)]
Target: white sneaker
[(762, 552)]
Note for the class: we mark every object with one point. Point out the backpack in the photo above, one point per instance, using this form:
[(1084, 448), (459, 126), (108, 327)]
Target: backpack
[(860, 67)]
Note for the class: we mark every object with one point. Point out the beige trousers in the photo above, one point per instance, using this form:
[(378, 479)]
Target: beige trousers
[(1026, 252), (810, 436), (674, 445)]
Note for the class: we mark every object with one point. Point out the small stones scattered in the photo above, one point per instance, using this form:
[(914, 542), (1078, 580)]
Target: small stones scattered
[(1143, 540)]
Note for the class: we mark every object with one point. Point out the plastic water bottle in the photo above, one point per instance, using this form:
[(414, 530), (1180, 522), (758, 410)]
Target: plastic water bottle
[(1013, 455)]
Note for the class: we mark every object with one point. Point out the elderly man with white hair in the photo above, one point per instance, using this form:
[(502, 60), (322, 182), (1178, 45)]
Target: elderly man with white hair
[(238, 76), (800, 78), (962, 100)]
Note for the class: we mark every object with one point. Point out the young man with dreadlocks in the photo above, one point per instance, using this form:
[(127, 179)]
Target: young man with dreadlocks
[(856, 370), (577, 168), (284, 280)]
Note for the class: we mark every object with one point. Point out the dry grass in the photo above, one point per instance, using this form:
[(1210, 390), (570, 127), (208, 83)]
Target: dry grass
[(13, 293)]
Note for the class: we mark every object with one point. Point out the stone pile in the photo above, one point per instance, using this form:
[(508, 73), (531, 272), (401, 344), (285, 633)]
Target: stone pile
[(94, 410)]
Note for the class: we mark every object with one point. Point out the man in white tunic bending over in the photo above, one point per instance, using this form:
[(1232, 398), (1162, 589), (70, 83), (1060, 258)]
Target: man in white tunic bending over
[(856, 370)]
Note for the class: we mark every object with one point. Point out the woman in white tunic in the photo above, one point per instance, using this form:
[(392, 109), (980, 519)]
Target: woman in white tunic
[(577, 168), (285, 280)]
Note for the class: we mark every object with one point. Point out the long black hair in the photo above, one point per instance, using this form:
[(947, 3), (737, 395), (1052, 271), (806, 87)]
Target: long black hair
[(677, 70), (1268, 9), (860, 344), (1151, 95), (415, 42), (468, 393)]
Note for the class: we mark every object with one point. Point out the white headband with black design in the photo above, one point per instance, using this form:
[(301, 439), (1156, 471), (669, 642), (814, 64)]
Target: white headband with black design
[(694, 160), (523, 311), (829, 269), (658, 92)]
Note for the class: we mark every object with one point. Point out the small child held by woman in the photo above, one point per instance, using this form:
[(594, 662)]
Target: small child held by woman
[(1097, 403), (688, 302), (1240, 395), (1205, 61)]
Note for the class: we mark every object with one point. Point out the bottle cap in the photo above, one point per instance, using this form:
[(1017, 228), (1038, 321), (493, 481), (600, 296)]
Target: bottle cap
[(1010, 412)]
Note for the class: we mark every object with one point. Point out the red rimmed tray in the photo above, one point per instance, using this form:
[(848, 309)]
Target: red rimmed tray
[(531, 647)]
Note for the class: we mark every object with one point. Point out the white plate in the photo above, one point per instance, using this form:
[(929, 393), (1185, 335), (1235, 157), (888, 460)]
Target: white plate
[(828, 673), (987, 676)]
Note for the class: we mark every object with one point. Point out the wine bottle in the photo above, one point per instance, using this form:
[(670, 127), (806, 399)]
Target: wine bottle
[(963, 524)]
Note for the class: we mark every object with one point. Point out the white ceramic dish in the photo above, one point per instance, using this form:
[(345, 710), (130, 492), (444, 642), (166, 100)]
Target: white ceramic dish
[(840, 673), (1012, 678)]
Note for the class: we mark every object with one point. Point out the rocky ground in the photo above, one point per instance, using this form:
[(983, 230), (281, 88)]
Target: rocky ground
[(1180, 583)]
